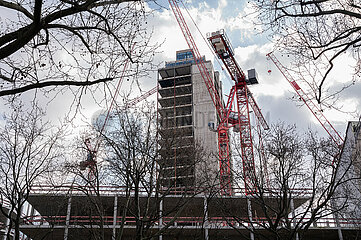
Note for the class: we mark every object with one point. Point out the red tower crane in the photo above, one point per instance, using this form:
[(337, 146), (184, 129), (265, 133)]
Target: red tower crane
[(311, 105), (240, 119)]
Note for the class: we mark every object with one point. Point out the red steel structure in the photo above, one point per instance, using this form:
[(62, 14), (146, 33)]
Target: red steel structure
[(90, 161), (311, 105), (140, 98), (228, 118)]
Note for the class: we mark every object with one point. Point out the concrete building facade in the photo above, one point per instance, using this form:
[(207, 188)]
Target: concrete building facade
[(348, 194), (187, 117)]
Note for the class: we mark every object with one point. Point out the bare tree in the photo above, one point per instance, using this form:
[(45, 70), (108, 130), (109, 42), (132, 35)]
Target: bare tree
[(303, 176), (316, 33), (135, 162), (85, 178), (44, 45), (129, 159), (28, 152)]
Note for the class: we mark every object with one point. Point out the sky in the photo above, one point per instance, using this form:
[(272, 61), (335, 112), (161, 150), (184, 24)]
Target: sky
[(273, 93)]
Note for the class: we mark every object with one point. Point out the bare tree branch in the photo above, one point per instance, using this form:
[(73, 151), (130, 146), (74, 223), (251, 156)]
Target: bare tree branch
[(312, 31), (73, 40), (54, 84), (16, 7)]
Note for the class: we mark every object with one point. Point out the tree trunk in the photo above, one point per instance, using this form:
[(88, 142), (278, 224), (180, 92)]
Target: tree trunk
[(17, 225)]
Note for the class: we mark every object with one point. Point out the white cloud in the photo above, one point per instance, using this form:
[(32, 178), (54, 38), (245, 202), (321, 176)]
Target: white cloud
[(222, 4)]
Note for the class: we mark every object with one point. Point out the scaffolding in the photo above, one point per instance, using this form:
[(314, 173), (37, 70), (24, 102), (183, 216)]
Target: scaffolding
[(183, 120)]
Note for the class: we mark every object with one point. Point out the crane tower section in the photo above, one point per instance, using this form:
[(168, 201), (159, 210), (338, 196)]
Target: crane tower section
[(230, 116)]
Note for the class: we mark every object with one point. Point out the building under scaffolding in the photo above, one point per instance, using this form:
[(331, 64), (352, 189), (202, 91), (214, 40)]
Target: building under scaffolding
[(187, 122)]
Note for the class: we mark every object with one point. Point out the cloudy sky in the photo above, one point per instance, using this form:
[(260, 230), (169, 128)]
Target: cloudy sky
[(273, 93)]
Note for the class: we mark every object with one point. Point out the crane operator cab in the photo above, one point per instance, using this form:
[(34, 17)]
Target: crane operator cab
[(225, 52), (220, 44)]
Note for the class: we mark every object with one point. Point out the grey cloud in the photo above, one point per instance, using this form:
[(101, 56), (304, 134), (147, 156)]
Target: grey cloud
[(285, 110)]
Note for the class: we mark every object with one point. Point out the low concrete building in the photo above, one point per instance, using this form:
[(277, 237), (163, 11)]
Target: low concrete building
[(71, 214)]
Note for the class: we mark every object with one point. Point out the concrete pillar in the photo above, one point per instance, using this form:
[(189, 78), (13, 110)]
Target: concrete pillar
[(339, 230), (249, 207), (314, 222), (338, 225), (28, 210), (294, 222), (31, 212), (115, 217), (161, 218), (206, 223), (67, 220)]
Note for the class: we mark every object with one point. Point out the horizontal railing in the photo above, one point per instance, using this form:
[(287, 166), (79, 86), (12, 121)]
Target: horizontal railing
[(116, 190), (188, 221)]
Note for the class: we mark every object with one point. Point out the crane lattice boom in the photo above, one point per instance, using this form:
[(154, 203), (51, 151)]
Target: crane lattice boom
[(140, 98), (197, 58), (223, 138), (312, 106)]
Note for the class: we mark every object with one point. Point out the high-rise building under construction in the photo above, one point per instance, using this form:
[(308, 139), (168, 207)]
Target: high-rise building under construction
[(187, 121)]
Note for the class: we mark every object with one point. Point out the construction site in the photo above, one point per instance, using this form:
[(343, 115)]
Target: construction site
[(197, 193)]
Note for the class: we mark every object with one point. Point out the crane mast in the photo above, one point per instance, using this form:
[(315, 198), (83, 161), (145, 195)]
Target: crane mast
[(244, 99), (240, 119), (311, 105)]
